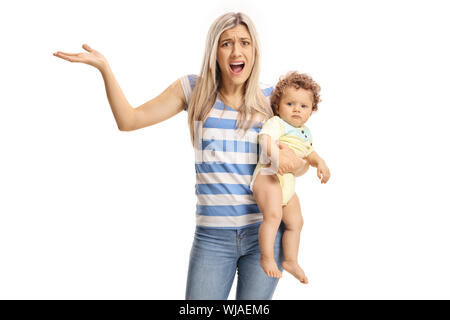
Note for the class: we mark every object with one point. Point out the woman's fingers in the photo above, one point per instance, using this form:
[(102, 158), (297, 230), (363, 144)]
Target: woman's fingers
[(66, 53), (84, 46), (87, 48), (70, 57), (92, 57)]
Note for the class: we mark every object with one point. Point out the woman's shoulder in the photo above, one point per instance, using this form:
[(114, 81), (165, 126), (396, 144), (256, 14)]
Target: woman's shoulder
[(267, 89), (188, 83), (189, 80)]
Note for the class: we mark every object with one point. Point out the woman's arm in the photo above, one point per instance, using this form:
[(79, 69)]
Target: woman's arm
[(170, 102), (269, 154), (289, 161), (268, 144), (167, 104), (282, 159)]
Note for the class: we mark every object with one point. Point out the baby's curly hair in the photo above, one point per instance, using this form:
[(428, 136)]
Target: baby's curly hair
[(297, 81)]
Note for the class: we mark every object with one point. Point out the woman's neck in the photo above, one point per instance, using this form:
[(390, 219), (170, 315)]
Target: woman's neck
[(231, 94)]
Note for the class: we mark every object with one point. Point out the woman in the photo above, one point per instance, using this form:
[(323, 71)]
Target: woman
[(221, 101)]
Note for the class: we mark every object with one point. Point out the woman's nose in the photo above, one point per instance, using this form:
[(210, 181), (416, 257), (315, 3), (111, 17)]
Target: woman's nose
[(236, 51)]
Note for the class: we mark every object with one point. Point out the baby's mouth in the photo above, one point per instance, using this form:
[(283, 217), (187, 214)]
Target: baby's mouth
[(237, 67)]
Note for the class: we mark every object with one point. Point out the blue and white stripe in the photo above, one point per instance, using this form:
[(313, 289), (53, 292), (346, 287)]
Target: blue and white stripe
[(225, 167)]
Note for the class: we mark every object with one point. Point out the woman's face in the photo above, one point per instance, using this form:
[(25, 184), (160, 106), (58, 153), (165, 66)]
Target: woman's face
[(235, 55)]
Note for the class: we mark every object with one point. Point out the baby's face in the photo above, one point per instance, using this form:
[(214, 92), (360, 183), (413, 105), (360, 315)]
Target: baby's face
[(295, 106)]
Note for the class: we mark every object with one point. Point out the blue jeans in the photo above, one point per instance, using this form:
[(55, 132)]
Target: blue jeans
[(216, 254)]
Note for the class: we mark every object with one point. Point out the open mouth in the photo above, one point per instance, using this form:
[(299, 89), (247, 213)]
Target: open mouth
[(237, 67)]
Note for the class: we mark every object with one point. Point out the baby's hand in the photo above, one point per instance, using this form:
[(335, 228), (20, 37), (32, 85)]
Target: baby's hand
[(323, 173)]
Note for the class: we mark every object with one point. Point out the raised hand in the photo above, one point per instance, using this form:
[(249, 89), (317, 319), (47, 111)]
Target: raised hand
[(91, 57)]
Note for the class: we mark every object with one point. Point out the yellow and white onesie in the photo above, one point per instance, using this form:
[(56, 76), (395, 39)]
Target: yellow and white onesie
[(298, 139)]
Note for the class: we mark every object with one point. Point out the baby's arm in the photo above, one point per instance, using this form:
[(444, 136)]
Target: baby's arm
[(323, 173)]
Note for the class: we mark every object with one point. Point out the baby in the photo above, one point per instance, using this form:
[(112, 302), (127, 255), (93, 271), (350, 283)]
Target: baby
[(294, 99)]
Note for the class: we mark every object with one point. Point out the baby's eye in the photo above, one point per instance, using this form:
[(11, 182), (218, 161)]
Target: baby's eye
[(290, 104), (304, 106)]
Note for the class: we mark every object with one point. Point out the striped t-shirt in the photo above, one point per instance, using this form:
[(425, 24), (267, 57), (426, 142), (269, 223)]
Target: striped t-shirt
[(224, 165)]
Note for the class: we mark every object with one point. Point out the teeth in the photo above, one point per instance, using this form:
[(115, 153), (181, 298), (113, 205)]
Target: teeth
[(236, 63)]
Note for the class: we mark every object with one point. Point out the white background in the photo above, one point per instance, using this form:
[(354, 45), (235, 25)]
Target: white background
[(89, 212)]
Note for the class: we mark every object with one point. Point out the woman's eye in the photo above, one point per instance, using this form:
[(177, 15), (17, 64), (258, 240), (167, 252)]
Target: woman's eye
[(225, 44), (245, 43)]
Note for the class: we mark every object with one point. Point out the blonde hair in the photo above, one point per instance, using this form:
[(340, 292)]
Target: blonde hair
[(206, 89)]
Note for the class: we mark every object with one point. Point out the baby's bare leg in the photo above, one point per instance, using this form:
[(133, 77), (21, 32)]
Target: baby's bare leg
[(292, 218), (267, 192)]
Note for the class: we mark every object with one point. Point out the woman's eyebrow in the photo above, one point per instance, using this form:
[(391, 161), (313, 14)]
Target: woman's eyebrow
[(230, 39)]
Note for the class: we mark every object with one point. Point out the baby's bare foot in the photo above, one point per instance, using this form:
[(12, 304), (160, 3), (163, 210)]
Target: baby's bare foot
[(270, 267), (293, 268)]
